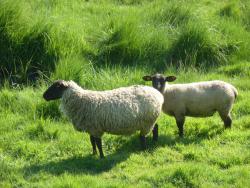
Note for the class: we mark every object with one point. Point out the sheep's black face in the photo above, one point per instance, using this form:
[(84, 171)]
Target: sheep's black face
[(55, 91), (159, 81)]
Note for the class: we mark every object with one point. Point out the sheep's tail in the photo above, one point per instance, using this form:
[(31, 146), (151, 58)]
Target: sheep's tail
[(235, 92)]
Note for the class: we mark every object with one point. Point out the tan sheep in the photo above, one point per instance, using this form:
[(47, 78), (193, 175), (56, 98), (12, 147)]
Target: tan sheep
[(198, 99)]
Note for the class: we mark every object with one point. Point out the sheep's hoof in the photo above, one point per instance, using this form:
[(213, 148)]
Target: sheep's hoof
[(228, 126)]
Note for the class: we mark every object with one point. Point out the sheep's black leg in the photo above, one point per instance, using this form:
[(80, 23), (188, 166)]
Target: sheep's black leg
[(92, 140), (143, 142), (226, 119), (98, 142), (155, 132), (180, 127), (180, 124), (227, 122)]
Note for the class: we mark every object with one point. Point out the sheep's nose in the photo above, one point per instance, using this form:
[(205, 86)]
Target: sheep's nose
[(158, 86)]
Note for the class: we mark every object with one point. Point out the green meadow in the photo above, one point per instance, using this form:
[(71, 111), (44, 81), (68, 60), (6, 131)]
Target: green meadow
[(105, 44)]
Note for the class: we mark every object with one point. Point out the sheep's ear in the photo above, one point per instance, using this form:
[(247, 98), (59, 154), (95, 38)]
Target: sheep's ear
[(62, 83), (170, 78), (65, 83), (147, 78)]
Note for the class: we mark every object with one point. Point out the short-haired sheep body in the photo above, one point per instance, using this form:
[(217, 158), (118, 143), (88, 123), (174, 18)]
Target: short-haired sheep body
[(121, 111), (199, 99)]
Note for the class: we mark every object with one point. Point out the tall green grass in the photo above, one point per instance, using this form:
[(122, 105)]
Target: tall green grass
[(37, 38)]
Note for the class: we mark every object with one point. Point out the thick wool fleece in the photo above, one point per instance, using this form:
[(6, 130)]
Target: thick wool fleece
[(200, 99), (120, 111)]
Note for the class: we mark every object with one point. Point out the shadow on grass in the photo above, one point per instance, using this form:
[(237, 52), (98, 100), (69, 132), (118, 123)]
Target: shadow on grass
[(190, 137), (93, 165), (77, 165)]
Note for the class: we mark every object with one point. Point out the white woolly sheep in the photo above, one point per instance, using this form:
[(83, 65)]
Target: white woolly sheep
[(199, 99), (121, 111)]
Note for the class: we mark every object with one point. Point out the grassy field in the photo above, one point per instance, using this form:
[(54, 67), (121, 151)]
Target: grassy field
[(105, 44)]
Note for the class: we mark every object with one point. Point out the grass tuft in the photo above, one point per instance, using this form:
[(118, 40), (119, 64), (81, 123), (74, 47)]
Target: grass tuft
[(48, 110), (180, 179), (195, 47), (172, 14), (231, 10), (39, 132)]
